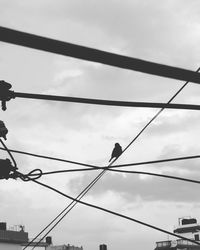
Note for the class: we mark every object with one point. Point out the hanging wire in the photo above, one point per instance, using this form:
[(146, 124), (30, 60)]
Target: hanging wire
[(49, 158), (125, 172)]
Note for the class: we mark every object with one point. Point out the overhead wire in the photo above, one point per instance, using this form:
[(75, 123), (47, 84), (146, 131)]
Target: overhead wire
[(98, 167), (120, 171), (94, 55), (103, 172), (49, 157), (123, 171)]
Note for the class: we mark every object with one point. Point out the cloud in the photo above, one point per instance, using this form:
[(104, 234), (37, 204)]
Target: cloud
[(174, 122), (149, 189)]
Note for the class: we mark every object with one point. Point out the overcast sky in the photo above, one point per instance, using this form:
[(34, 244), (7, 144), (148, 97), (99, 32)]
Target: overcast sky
[(166, 32)]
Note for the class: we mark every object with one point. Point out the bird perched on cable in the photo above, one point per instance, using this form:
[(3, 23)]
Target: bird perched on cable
[(117, 151)]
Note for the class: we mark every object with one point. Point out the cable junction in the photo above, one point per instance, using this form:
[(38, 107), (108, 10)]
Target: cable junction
[(94, 55)]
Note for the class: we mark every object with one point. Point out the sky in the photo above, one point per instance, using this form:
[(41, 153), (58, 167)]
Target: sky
[(165, 32)]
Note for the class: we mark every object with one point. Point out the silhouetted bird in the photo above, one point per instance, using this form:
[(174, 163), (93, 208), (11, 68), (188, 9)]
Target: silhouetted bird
[(117, 151)]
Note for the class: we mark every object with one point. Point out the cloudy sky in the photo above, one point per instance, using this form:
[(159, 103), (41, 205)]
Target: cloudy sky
[(166, 32)]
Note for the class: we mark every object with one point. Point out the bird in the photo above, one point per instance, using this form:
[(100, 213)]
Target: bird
[(117, 151)]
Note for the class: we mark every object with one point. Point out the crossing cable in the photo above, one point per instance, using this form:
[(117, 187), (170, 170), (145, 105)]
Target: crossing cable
[(119, 171), (123, 171), (65, 211), (115, 213), (53, 158), (112, 168), (81, 52), (98, 167)]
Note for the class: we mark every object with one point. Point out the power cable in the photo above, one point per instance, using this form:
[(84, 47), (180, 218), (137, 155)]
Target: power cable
[(49, 157), (156, 161), (123, 171), (103, 172), (115, 213), (97, 167), (119, 171), (81, 52)]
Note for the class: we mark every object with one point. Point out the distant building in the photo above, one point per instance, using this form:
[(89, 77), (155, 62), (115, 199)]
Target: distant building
[(39, 246), (38, 243), (47, 245), (12, 239), (16, 239), (188, 228)]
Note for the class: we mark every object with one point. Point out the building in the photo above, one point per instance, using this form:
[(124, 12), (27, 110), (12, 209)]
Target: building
[(16, 239), (47, 245), (12, 239), (39, 244), (188, 228)]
